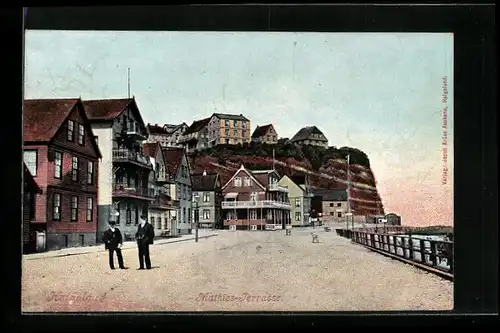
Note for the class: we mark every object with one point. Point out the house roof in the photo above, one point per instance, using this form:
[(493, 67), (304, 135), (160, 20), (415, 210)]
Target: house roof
[(43, 117), (173, 159), (229, 116), (305, 132), (30, 181), (110, 109), (170, 128), (150, 148), (156, 129), (204, 182), (261, 130), (249, 173), (298, 179), (197, 126), (331, 195)]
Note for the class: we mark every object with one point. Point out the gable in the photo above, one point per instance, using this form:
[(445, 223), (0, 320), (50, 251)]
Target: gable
[(77, 115), (292, 186), (242, 172)]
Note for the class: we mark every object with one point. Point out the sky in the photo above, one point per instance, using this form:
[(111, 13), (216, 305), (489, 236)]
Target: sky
[(378, 92)]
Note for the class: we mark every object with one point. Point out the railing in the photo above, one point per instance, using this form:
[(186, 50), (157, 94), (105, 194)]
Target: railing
[(164, 202), (276, 187), (120, 189), (126, 155), (434, 254), (164, 177), (255, 204)]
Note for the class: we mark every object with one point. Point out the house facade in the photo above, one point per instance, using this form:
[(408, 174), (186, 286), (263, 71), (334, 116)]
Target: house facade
[(207, 193), (167, 135), (253, 200), (63, 157), (177, 165), (310, 135), (265, 134), (334, 204), (196, 136), (300, 199), (30, 191), (124, 169), (162, 207)]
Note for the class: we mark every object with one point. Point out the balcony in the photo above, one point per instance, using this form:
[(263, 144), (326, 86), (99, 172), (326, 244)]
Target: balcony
[(135, 133), (276, 187), (255, 204), (164, 178), (130, 156), (121, 190), (164, 202)]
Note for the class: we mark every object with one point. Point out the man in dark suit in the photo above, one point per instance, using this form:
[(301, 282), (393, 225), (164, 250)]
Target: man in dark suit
[(113, 243), (145, 235)]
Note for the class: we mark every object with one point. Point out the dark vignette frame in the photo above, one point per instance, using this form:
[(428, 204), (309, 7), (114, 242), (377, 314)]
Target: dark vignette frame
[(476, 192)]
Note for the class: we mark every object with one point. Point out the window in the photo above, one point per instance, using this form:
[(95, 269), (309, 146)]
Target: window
[(206, 197), (81, 134), (74, 169), (58, 165), (237, 181), (189, 215), (56, 207), (90, 172), (297, 202), (71, 130), (227, 123), (120, 213), (90, 209), (244, 133), (74, 208), (253, 196), (159, 223), (31, 161), (331, 204), (253, 214), (297, 216), (206, 214), (128, 215), (339, 214), (331, 213), (152, 221), (183, 217), (247, 181), (339, 204)]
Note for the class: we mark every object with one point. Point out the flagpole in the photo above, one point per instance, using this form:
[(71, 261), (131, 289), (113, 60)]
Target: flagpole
[(128, 82), (348, 193)]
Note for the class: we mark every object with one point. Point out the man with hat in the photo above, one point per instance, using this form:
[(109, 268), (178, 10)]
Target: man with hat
[(113, 242), (144, 236)]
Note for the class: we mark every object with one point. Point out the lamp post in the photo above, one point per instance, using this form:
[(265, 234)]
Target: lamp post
[(195, 204)]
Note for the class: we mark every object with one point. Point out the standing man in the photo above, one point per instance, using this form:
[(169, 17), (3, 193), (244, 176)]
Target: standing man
[(113, 242), (145, 234)]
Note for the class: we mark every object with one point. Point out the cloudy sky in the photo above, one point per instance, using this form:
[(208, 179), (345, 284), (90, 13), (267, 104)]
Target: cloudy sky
[(381, 93)]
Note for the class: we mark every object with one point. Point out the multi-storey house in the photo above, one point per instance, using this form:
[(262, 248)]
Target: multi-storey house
[(177, 165), (30, 190), (196, 136), (124, 169), (265, 134), (310, 135), (333, 204), (167, 135), (62, 156), (253, 200), (228, 129), (300, 196), (207, 193), (160, 181)]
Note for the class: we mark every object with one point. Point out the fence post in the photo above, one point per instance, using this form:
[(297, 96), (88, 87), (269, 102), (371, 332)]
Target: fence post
[(450, 257), (433, 255), (410, 247), (422, 251)]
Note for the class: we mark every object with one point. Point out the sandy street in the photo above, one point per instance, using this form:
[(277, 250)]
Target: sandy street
[(247, 271)]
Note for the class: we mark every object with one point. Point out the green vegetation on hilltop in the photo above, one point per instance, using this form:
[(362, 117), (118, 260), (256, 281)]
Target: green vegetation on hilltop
[(317, 156)]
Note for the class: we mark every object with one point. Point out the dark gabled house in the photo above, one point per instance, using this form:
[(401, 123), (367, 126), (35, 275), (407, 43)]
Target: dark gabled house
[(265, 134), (207, 192), (63, 157), (310, 135)]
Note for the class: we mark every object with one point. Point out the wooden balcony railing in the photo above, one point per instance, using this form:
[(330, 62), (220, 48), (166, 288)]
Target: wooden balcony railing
[(125, 190), (255, 204), (127, 155)]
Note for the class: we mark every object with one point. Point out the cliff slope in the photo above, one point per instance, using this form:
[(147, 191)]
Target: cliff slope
[(326, 168)]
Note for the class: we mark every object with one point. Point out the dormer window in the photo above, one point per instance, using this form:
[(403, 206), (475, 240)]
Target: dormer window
[(81, 134)]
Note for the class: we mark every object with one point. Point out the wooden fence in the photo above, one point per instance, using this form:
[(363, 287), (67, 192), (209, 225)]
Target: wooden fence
[(434, 255)]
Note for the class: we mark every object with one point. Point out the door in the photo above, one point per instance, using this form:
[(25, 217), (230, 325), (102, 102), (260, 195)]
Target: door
[(82, 240)]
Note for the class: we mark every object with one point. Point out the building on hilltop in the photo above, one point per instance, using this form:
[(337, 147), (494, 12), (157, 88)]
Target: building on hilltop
[(253, 200), (310, 135), (219, 128), (265, 134), (167, 135), (124, 169), (207, 191), (62, 155)]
